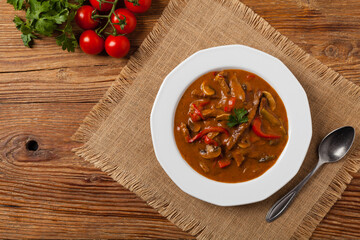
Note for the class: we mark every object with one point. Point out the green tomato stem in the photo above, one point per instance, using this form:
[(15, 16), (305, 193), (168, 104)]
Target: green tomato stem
[(108, 17), (108, 2), (99, 16)]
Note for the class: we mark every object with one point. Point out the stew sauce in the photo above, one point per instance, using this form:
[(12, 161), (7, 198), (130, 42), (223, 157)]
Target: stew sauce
[(230, 126)]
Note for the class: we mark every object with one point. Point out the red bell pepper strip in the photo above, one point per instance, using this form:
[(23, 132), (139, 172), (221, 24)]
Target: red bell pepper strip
[(203, 104), (210, 141), (231, 105), (194, 117), (206, 131), (256, 127), (198, 112), (224, 163), (250, 76), (197, 115)]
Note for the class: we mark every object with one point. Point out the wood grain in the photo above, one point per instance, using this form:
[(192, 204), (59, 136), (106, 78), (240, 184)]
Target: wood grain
[(46, 92)]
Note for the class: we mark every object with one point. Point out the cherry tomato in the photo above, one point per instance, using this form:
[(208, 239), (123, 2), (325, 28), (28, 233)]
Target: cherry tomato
[(104, 7), (83, 17), (138, 6), (91, 43), (117, 46), (127, 21)]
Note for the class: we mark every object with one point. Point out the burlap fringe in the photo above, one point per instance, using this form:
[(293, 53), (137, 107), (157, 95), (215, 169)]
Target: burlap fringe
[(101, 110)]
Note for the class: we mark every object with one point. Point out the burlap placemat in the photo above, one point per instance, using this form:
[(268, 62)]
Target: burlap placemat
[(117, 139)]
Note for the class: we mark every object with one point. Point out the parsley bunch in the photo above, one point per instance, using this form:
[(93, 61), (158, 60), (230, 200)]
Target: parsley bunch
[(45, 17), (239, 117)]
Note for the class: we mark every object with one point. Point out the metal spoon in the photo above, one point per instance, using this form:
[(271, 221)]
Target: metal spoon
[(331, 149)]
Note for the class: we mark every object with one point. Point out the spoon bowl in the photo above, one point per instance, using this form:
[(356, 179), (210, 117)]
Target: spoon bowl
[(336, 144)]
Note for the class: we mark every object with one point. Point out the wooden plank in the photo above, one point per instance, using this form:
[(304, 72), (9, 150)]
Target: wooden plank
[(51, 193), (46, 92)]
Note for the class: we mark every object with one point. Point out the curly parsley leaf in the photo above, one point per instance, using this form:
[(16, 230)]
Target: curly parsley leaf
[(18, 4), (27, 39), (47, 17), (27, 32), (18, 22), (66, 43), (239, 117), (67, 39)]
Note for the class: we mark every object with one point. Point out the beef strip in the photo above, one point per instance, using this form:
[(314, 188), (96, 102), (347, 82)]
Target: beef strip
[(219, 78), (185, 131), (236, 88)]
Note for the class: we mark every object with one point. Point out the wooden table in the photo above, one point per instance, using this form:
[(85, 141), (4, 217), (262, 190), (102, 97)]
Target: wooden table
[(48, 192)]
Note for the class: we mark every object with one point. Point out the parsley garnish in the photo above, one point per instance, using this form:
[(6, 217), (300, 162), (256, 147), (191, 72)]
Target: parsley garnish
[(18, 4), (238, 117), (46, 17)]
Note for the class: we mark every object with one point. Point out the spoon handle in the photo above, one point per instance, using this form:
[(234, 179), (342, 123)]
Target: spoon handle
[(281, 205)]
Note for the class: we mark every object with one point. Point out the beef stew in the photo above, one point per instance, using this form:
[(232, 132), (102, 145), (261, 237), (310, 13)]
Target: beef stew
[(230, 126)]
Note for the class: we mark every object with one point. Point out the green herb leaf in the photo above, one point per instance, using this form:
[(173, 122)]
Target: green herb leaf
[(36, 8), (27, 39), (239, 117), (27, 32), (18, 4), (45, 27), (67, 43), (58, 18), (18, 22), (67, 39), (46, 17)]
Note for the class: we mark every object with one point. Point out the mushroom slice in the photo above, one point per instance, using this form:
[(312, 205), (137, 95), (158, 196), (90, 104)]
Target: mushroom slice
[(211, 135), (197, 93), (236, 88), (270, 99), (270, 117), (263, 103), (194, 126), (224, 116), (273, 119), (210, 152), (219, 78), (204, 167), (206, 89)]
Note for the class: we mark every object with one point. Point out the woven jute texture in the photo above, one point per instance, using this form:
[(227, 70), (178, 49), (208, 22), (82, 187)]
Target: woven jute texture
[(116, 134)]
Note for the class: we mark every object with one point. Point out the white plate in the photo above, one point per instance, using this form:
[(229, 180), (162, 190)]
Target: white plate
[(285, 84)]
